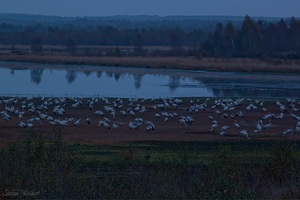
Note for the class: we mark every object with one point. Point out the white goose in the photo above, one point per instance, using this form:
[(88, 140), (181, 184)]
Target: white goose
[(88, 120), (288, 131), (244, 133), (298, 127), (76, 123)]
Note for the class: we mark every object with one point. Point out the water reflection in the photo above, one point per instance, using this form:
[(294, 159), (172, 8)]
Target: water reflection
[(117, 76), (174, 82), (36, 75), (99, 74), (87, 73), (138, 80), (71, 76), (109, 74), (117, 81)]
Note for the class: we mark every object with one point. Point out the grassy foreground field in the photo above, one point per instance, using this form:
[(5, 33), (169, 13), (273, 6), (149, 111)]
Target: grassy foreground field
[(38, 168)]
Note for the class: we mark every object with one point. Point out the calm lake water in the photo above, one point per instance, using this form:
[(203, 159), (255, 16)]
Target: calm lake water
[(31, 79)]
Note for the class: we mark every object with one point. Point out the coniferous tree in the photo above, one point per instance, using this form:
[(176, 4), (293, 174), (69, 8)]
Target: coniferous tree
[(229, 39), (250, 38), (36, 45), (218, 42), (295, 35), (282, 39)]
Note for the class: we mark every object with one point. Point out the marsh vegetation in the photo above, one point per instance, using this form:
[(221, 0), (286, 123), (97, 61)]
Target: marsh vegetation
[(151, 170)]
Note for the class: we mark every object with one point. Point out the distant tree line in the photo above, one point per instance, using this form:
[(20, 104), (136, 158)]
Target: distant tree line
[(255, 38), (251, 39)]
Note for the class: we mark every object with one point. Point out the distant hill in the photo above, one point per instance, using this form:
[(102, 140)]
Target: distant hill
[(126, 21)]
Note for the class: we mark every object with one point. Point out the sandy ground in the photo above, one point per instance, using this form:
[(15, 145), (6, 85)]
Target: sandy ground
[(170, 130)]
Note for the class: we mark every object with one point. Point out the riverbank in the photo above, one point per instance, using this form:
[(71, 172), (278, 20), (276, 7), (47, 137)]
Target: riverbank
[(186, 63)]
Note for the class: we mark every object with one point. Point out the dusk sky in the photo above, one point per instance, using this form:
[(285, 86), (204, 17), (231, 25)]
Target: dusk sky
[(265, 8)]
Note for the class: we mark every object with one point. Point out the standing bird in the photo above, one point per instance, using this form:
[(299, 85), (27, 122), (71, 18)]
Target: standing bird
[(224, 128), (106, 119), (22, 124), (123, 113), (240, 114), (150, 123), (149, 128), (115, 126), (244, 133), (213, 126), (267, 125), (76, 123), (237, 125), (131, 113), (222, 133), (104, 123), (132, 125), (53, 123), (288, 131), (20, 116), (258, 127), (88, 120), (298, 127)]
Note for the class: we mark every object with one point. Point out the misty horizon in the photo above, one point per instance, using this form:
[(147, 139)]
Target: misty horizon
[(145, 15), (105, 8)]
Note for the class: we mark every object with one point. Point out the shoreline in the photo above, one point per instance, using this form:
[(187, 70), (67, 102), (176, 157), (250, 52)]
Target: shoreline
[(182, 63)]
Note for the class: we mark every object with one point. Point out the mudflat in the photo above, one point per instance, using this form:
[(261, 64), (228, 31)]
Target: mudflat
[(175, 119)]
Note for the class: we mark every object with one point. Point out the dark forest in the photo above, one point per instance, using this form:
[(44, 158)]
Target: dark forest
[(248, 37)]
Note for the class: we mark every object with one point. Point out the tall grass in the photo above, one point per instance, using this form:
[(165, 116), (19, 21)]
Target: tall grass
[(37, 168), (186, 63)]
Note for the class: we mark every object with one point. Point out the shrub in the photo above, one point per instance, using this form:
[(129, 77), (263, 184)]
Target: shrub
[(46, 169), (280, 177)]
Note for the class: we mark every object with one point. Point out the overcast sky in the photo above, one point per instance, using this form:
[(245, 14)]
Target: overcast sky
[(266, 8)]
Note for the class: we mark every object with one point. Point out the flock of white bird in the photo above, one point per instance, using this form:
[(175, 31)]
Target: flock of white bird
[(111, 113)]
